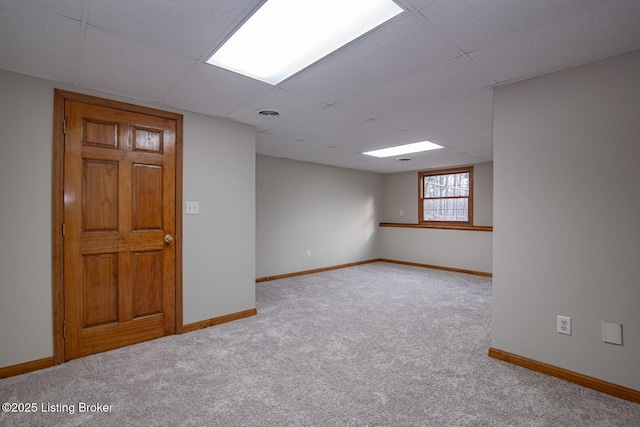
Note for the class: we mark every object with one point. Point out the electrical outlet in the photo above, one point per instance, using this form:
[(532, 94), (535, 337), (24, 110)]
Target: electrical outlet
[(564, 325), (309, 254)]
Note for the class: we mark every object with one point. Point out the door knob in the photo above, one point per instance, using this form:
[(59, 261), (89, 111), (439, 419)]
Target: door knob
[(168, 238)]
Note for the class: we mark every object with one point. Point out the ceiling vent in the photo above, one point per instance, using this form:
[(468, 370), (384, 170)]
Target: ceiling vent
[(268, 114)]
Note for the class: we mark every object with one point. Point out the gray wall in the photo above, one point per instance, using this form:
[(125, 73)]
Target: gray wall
[(467, 250), (333, 212), (401, 194), (219, 244), (566, 239)]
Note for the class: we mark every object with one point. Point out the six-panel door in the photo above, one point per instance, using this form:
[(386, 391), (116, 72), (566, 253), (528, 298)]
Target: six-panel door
[(119, 204)]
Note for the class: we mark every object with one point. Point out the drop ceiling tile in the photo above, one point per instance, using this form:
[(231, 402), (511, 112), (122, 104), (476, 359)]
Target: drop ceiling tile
[(364, 136), (333, 157), (446, 160), (266, 141), (325, 155), (454, 77), (299, 150), (116, 65), (189, 28), (372, 164), (289, 105), (38, 43), (467, 141), (406, 75), (469, 110), (326, 120), (598, 33), (336, 155), (69, 8), (355, 160), (445, 157), (211, 90), (400, 48), (473, 24), (417, 4), (474, 149), (431, 160)]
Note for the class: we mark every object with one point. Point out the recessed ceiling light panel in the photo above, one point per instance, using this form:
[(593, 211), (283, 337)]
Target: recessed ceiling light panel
[(285, 36), (400, 150)]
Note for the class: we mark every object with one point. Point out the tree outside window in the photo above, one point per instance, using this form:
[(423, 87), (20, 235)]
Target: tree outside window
[(446, 196)]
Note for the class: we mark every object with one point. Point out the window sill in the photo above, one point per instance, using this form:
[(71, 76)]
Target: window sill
[(441, 227)]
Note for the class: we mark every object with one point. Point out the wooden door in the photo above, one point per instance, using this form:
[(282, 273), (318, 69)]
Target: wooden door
[(119, 228)]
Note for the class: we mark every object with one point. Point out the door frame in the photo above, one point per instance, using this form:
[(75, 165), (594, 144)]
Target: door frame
[(60, 97)]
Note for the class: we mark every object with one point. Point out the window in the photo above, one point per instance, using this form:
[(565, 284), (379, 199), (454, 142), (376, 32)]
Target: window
[(446, 196)]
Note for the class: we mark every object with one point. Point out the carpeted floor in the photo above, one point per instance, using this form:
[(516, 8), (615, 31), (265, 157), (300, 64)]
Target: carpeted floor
[(373, 345)]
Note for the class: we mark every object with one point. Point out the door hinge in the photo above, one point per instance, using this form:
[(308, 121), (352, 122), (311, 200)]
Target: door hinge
[(64, 330), (64, 126), (64, 230)]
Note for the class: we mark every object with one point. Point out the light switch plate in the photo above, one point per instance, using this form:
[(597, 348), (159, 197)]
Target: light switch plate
[(192, 208)]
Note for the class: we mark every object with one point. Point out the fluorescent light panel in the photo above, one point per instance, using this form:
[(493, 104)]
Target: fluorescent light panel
[(399, 150), (285, 36)]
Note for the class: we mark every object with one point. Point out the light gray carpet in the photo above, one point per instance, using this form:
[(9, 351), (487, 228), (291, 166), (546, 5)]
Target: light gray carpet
[(377, 345)]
